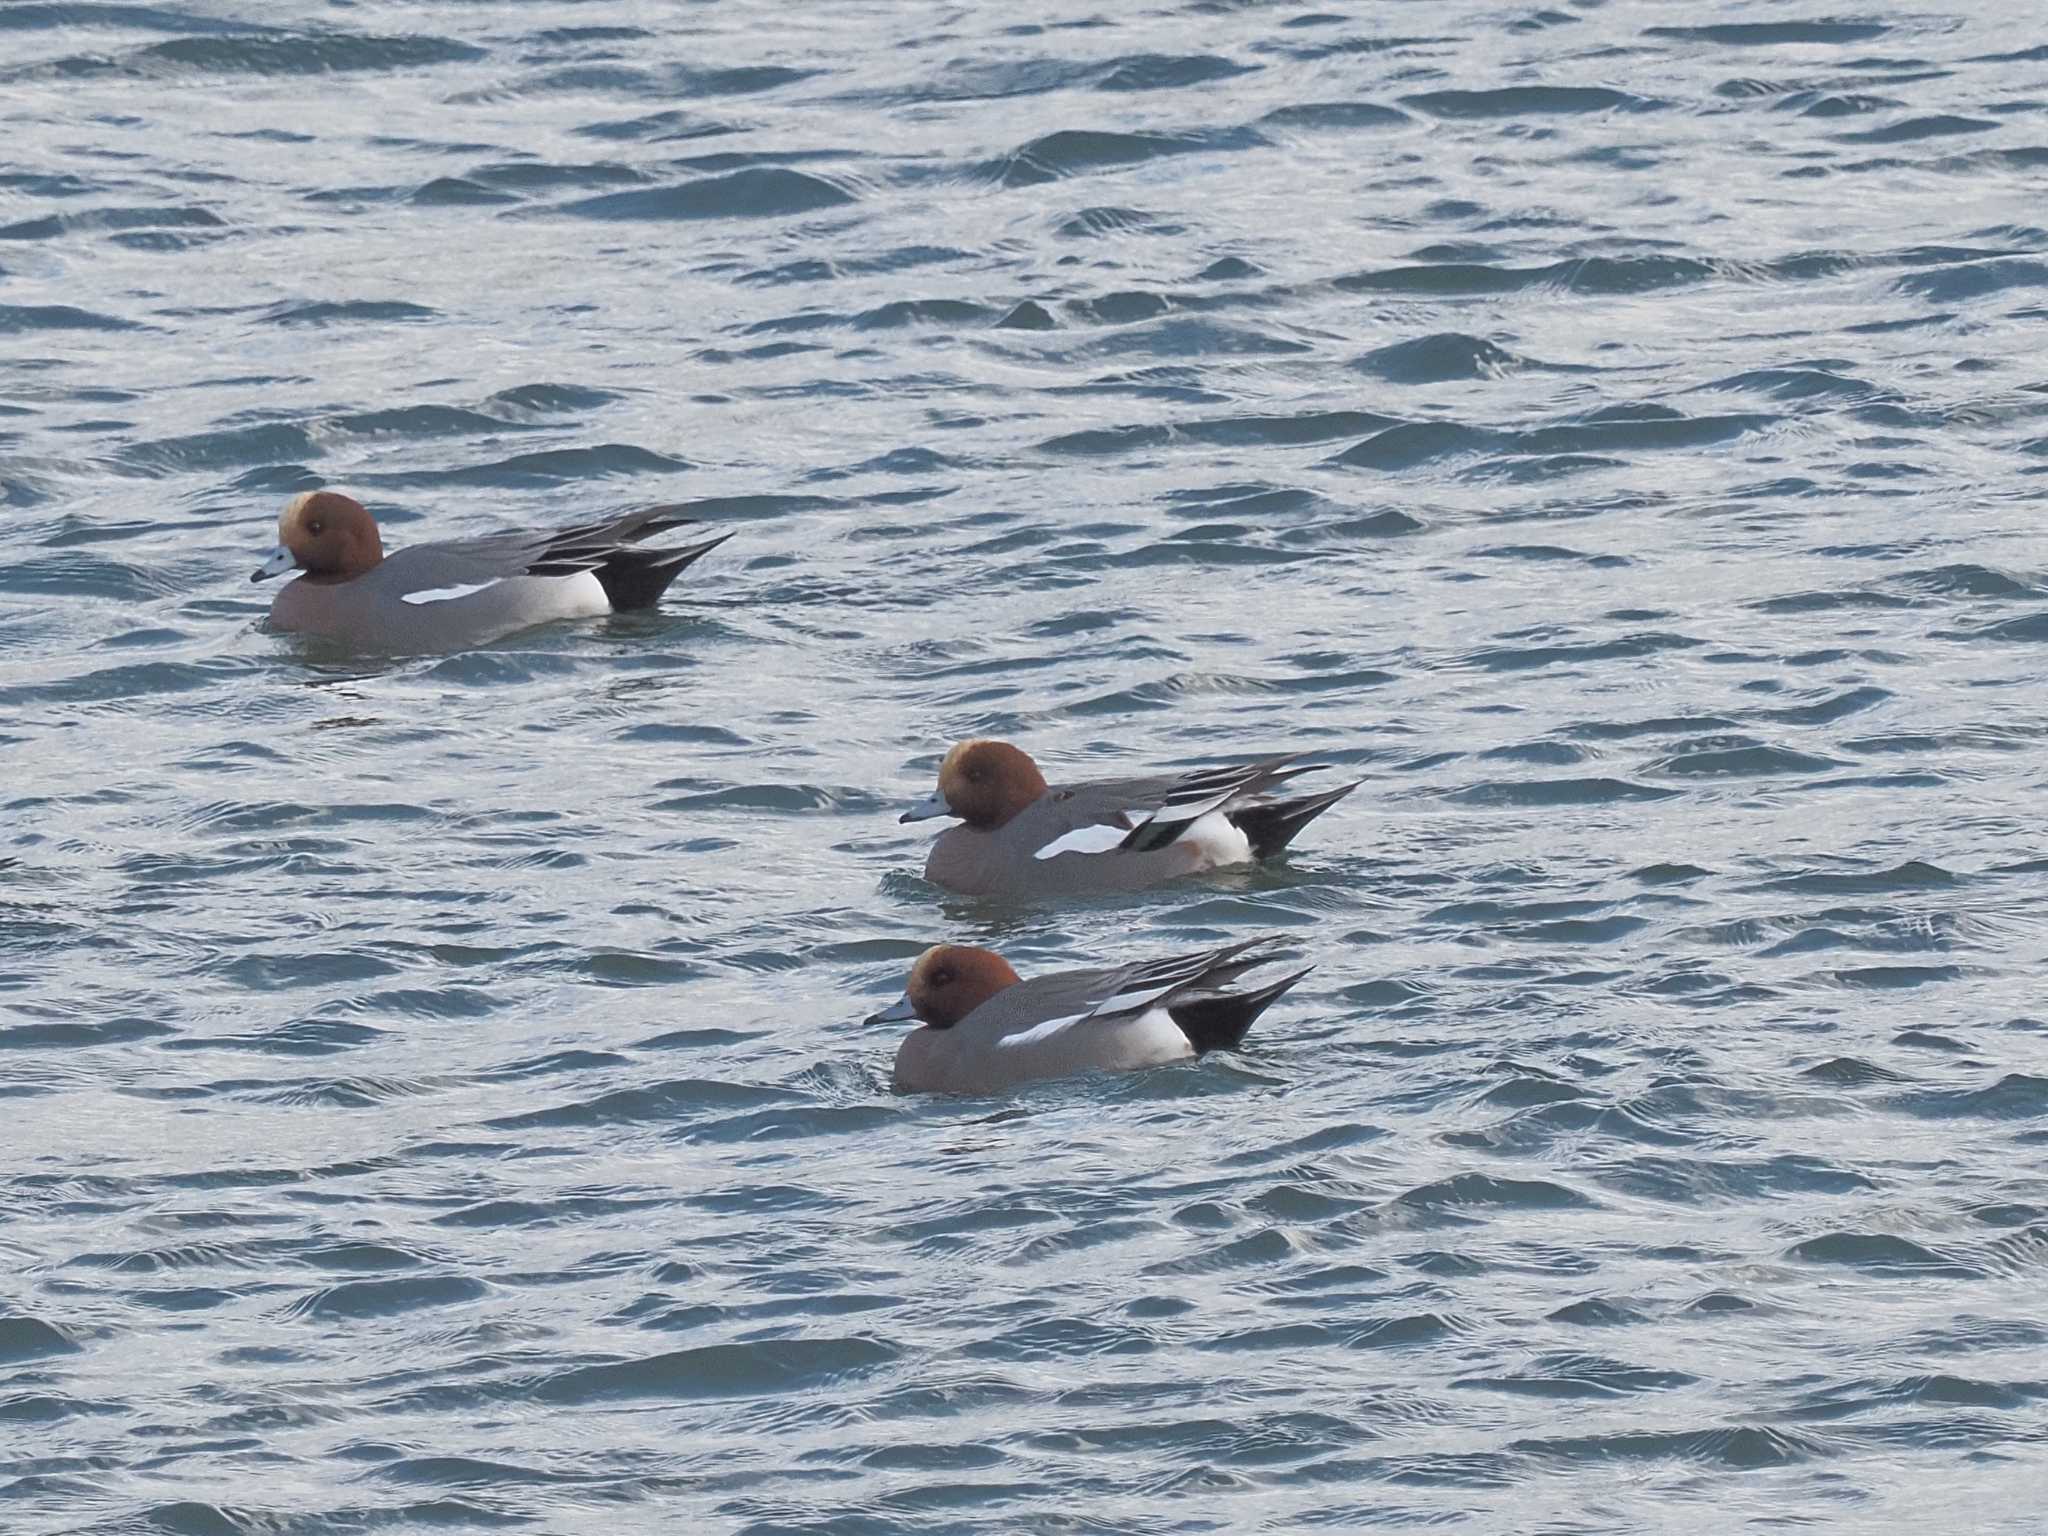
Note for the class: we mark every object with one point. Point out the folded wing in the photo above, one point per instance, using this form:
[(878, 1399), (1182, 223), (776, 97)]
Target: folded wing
[(1191, 988), (1140, 815), (632, 576)]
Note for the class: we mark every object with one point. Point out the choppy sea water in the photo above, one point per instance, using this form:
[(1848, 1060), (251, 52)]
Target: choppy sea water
[(434, 1096)]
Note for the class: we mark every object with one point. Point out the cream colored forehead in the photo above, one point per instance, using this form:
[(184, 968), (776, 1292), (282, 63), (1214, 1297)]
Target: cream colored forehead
[(984, 752), (943, 955), (297, 504)]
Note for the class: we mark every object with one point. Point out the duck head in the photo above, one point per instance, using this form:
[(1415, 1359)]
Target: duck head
[(984, 783), (325, 535), (948, 983)]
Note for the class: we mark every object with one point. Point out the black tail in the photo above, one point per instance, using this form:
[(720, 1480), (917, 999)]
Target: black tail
[(636, 578), (1218, 1020), (1271, 825)]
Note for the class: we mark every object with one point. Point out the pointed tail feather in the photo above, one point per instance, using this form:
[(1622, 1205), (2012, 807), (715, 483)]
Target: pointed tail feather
[(636, 578), (1134, 988), (1271, 826), (1195, 795), (1218, 1021)]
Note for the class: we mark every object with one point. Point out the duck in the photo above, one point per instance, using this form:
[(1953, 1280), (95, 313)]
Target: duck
[(451, 595), (1019, 836), (985, 1030)]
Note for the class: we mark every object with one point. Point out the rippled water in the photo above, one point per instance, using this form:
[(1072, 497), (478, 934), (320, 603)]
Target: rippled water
[(434, 1091)]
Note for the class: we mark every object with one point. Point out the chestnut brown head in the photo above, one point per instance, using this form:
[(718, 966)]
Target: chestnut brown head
[(948, 983), (984, 783), (326, 535)]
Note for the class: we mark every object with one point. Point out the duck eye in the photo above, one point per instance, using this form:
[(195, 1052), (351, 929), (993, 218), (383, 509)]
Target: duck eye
[(315, 526), (942, 978)]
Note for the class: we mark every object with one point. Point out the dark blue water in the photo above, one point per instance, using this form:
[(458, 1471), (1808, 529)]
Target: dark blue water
[(433, 1096)]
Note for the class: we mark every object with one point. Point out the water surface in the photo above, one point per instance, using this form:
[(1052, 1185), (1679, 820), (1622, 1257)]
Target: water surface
[(434, 1091)]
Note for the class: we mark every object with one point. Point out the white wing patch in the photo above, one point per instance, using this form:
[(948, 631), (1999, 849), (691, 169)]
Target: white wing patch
[(446, 594), (1103, 837), (1132, 1002), (1038, 1032), (1194, 810)]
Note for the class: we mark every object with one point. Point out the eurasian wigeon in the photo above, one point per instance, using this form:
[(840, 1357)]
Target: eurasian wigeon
[(446, 596), (1022, 837), (985, 1030)]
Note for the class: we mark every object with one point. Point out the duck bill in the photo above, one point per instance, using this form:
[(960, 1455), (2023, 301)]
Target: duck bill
[(925, 810), (898, 1012), (280, 561)]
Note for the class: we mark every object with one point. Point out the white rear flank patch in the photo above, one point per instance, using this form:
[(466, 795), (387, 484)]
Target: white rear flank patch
[(1221, 840), (1132, 1039), (446, 594), (1163, 1040), (1189, 812), (1100, 838)]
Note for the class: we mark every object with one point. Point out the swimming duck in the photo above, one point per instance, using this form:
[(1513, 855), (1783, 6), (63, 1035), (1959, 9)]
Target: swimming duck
[(450, 595), (985, 1030), (1020, 836)]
